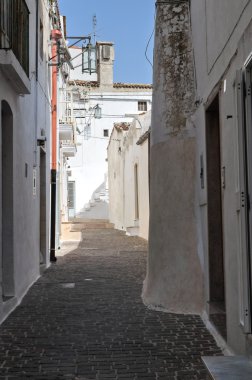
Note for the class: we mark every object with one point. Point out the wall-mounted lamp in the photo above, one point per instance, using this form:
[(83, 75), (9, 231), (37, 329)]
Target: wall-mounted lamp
[(89, 62), (41, 141), (89, 59), (97, 112)]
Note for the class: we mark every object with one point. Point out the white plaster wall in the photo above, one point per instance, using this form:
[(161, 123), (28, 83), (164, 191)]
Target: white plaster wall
[(134, 154), (219, 49), (122, 178), (228, 46), (144, 191), (30, 114), (219, 27)]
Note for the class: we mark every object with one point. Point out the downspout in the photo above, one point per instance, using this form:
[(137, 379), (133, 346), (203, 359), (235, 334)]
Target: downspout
[(37, 26), (36, 87), (56, 35)]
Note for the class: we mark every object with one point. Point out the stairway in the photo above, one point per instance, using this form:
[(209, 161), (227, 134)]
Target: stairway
[(97, 207), (71, 231)]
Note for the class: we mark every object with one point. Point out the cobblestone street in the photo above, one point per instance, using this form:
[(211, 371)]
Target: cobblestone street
[(84, 319)]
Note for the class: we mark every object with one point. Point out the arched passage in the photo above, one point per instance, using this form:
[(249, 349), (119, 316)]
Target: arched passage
[(7, 200)]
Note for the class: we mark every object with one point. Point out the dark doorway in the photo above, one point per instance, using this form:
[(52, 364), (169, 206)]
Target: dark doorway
[(214, 201), (7, 201)]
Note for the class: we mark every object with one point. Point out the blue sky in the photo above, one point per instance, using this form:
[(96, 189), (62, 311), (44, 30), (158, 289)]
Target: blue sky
[(127, 23)]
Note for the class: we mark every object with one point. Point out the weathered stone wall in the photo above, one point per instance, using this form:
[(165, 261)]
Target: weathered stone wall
[(174, 279), (173, 70)]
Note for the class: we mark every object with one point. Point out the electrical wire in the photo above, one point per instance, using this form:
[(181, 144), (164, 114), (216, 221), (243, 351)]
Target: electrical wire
[(147, 46), (148, 43), (92, 137)]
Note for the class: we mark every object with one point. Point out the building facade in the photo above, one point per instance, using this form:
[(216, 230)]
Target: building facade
[(128, 176), (25, 121), (200, 218), (96, 104)]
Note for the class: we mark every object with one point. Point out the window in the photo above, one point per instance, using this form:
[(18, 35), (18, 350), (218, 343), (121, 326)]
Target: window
[(71, 198), (142, 106), (14, 30), (105, 132), (76, 97), (41, 40)]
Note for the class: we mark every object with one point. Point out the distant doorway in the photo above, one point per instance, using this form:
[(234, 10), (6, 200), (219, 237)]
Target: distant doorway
[(42, 201), (7, 247), (217, 307), (136, 192), (71, 199)]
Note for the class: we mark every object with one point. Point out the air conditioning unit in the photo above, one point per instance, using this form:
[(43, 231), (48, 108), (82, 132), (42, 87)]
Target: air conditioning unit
[(106, 52)]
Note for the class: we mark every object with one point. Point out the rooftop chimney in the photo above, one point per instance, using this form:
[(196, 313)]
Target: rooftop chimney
[(105, 63)]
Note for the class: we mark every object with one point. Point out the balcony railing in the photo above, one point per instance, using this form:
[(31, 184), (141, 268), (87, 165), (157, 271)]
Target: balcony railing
[(68, 148), (14, 30), (66, 131)]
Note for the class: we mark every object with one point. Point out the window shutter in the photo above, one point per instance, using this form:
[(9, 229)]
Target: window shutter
[(244, 262)]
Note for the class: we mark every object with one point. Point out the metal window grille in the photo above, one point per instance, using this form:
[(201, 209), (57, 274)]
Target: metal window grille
[(14, 30), (142, 106)]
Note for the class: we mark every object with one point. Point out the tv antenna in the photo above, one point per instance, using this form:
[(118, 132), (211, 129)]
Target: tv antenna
[(94, 27)]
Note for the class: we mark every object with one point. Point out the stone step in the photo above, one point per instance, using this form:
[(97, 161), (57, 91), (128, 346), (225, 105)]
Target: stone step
[(86, 220), (92, 224), (228, 367), (67, 234)]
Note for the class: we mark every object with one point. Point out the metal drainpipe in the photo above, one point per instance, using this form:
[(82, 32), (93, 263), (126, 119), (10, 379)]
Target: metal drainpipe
[(36, 87), (37, 26), (56, 34)]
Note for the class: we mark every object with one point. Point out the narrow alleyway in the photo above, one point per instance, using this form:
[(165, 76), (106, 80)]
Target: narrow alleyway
[(84, 319)]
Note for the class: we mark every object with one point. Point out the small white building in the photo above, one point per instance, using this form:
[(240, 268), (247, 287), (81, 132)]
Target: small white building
[(98, 103), (128, 173)]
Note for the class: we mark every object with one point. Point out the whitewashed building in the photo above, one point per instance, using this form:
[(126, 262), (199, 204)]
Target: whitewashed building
[(128, 176), (200, 171), (25, 99), (98, 103)]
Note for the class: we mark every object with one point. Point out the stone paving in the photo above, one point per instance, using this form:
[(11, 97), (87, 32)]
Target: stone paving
[(84, 319)]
